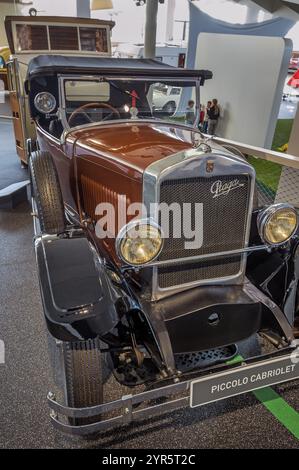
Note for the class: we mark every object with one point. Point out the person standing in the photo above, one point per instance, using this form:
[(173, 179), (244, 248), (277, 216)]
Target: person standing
[(206, 118), (201, 116), (213, 114), (190, 113)]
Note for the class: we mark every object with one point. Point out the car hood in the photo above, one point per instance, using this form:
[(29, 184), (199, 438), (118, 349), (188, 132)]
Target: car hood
[(137, 144)]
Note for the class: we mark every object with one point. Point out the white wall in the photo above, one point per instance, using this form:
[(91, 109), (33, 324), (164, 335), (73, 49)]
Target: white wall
[(5, 10), (248, 78)]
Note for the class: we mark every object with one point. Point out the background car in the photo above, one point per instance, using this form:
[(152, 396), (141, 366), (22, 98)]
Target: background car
[(167, 99)]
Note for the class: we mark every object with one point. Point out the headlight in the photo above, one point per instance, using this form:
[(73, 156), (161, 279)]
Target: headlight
[(277, 224), (45, 102), (139, 242)]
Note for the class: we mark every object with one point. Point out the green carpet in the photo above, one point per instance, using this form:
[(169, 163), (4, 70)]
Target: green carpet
[(268, 173)]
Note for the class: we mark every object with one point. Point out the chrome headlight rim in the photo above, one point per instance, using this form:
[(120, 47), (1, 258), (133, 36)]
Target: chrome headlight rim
[(37, 106), (121, 236), (266, 214)]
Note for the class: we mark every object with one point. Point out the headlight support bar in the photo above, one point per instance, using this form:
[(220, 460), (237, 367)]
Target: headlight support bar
[(205, 257)]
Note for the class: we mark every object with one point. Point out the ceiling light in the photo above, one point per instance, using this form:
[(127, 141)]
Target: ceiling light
[(101, 5)]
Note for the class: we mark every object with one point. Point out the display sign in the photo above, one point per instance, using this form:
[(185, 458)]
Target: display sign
[(244, 379)]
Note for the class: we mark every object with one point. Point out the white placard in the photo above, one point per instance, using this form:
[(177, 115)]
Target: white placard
[(248, 78)]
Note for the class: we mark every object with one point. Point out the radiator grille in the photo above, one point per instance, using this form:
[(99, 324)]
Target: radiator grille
[(224, 228), (95, 192)]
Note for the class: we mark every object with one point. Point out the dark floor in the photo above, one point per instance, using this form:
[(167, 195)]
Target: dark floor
[(25, 378)]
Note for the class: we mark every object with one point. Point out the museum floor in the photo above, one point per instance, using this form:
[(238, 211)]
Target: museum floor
[(25, 378)]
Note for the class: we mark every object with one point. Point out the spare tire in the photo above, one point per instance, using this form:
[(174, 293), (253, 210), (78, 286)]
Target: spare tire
[(47, 192)]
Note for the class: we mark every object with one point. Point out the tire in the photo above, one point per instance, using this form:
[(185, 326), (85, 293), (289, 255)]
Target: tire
[(47, 192), (169, 108), (83, 377)]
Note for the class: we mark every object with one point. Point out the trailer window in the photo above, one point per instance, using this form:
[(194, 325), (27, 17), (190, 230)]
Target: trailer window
[(32, 37), (43, 37), (175, 91), (63, 38), (93, 39)]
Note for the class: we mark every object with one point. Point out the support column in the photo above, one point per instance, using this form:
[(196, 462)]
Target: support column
[(170, 20), (150, 29), (83, 8)]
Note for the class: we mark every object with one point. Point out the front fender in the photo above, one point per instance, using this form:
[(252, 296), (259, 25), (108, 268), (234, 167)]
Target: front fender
[(80, 299)]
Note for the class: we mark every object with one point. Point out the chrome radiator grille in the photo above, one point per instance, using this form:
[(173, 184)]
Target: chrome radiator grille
[(224, 229)]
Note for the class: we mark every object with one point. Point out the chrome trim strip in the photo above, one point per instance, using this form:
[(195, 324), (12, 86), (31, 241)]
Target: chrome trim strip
[(61, 108), (67, 131), (226, 164), (191, 259), (47, 134), (36, 225)]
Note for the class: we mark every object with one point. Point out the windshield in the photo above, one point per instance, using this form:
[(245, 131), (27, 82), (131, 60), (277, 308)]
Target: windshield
[(99, 100)]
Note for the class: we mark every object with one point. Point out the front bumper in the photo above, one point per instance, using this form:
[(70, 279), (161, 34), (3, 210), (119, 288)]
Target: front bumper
[(286, 360)]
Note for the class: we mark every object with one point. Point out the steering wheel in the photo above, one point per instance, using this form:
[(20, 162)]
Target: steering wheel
[(82, 110)]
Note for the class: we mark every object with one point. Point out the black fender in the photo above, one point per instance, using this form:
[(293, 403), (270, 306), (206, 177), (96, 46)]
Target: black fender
[(275, 273), (81, 298)]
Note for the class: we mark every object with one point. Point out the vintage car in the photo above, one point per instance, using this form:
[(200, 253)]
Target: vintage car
[(154, 257), (168, 99)]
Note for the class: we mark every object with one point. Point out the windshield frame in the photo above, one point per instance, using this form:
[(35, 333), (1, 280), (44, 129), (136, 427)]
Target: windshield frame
[(152, 78)]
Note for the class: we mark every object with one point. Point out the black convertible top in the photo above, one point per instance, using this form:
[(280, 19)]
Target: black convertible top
[(54, 64)]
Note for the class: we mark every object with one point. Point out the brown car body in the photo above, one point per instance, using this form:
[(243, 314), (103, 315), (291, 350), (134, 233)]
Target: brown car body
[(109, 161)]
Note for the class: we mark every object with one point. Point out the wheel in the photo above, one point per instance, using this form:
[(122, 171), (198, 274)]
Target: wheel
[(169, 108), (47, 192), (83, 377)]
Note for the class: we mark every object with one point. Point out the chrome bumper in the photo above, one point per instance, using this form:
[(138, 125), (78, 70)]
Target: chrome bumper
[(127, 405)]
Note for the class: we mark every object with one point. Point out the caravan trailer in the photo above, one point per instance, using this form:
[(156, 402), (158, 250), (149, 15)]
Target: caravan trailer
[(30, 36), (168, 54)]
